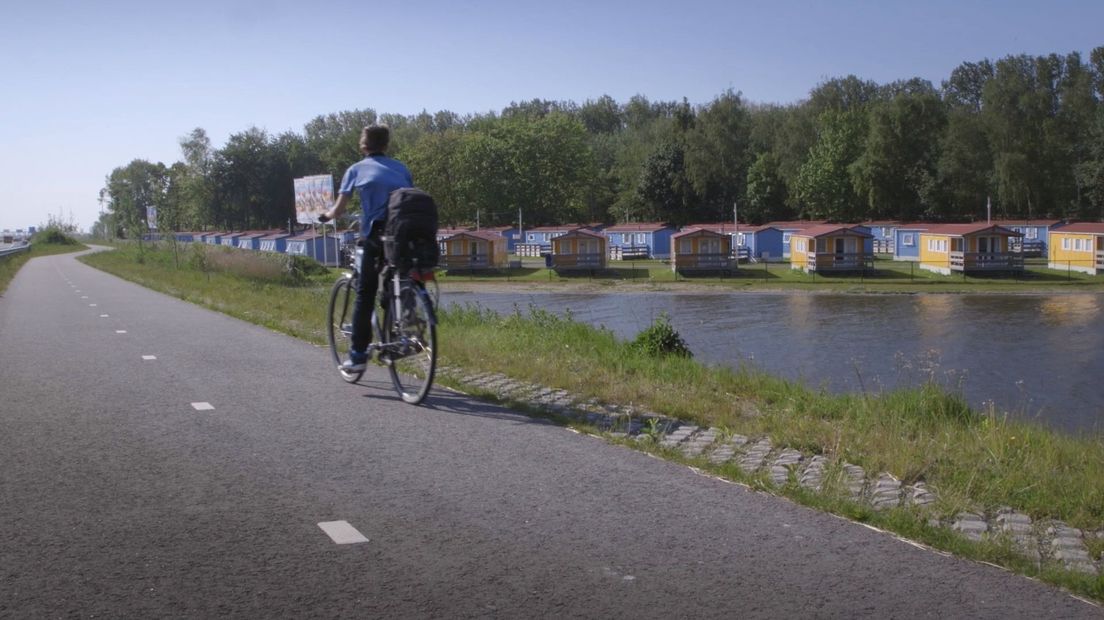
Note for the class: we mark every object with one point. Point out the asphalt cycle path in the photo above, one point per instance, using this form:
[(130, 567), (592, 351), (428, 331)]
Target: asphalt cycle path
[(162, 460)]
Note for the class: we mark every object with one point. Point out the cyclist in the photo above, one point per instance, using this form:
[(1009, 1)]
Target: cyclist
[(373, 178)]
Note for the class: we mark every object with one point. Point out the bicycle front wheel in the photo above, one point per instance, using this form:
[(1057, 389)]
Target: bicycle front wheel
[(340, 327), (413, 345)]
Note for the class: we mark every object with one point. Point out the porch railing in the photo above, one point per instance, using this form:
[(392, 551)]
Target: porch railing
[(703, 261), (581, 261), (1100, 260), (987, 261), (843, 261), (466, 261)]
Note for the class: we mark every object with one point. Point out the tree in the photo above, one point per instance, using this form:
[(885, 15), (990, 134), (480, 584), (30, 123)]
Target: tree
[(717, 153), (896, 172), (766, 192), (824, 184)]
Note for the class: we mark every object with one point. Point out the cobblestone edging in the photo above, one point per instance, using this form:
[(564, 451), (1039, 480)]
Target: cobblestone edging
[(1039, 541)]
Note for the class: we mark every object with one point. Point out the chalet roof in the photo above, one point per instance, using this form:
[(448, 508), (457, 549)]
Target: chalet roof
[(960, 230), (579, 232), (485, 235), (881, 223), (698, 230), (1026, 222), (824, 230), (795, 224), (1096, 228), (276, 235), (638, 227)]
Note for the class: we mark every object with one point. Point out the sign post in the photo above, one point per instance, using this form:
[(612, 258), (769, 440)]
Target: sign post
[(313, 197)]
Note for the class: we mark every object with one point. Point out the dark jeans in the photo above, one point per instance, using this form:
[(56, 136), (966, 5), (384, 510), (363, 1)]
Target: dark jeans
[(367, 288)]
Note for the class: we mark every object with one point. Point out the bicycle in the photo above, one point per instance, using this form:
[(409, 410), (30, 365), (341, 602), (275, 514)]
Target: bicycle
[(404, 325)]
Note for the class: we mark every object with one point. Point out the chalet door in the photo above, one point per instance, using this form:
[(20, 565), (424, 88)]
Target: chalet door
[(710, 246), (840, 245), (984, 245), (685, 246)]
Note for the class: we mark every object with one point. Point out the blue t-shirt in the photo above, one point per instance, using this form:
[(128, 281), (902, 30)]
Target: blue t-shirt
[(375, 177)]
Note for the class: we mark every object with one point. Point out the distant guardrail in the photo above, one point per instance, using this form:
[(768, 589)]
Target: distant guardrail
[(15, 250)]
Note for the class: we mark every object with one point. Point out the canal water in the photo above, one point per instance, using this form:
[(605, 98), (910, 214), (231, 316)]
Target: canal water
[(1038, 357)]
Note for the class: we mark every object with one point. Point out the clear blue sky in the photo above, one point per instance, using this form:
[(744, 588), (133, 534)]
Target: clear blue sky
[(93, 85)]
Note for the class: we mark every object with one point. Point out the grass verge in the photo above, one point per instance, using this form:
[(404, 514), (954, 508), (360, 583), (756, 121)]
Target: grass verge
[(975, 459)]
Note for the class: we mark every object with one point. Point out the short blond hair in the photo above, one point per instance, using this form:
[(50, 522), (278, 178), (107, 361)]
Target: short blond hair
[(375, 138)]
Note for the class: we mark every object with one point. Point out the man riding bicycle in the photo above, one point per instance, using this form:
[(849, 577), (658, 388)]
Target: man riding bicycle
[(374, 178)]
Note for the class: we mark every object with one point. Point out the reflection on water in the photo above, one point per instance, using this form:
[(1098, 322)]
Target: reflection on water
[(1040, 357)]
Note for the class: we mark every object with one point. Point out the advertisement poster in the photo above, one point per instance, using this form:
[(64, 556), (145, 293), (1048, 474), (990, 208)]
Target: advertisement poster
[(313, 196), (151, 218)]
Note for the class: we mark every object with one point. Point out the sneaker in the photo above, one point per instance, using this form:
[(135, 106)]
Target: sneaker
[(357, 362)]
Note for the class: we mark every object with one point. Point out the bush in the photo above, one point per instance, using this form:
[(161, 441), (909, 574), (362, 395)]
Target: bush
[(54, 236), (661, 338)]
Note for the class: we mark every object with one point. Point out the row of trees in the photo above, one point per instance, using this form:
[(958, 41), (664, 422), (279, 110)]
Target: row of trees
[(1026, 131)]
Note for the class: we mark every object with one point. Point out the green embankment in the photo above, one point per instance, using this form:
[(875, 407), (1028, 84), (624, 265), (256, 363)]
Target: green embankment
[(974, 459)]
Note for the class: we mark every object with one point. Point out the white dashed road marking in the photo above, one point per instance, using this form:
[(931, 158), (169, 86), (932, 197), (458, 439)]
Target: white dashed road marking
[(203, 406), (84, 296), (103, 316), (149, 357), (120, 331), (342, 533), (91, 305)]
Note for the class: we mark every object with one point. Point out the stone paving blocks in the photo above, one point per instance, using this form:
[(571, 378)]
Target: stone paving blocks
[(677, 436), (783, 464), (971, 525), (919, 495), (756, 456), (698, 443), (854, 478), (886, 492), (724, 452), (813, 475)]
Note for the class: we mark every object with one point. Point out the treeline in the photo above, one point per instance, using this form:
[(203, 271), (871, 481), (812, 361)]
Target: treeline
[(1026, 131)]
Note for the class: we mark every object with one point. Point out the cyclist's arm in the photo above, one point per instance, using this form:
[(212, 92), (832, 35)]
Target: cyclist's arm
[(337, 209)]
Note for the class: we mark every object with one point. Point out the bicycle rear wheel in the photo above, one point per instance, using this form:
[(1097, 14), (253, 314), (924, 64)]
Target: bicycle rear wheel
[(340, 326), (413, 345)]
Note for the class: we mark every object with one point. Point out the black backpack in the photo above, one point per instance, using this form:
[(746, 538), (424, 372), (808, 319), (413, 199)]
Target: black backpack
[(411, 229)]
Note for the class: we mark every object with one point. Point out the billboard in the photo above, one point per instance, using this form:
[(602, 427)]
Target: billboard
[(313, 196), (151, 218)]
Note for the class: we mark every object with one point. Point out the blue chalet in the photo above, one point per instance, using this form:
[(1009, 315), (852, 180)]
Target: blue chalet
[(251, 240), (324, 249), (881, 235), (538, 241), (760, 242), (790, 227), (184, 237), (650, 240), (230, 239), (276, 242), (1035, 234), (509, 233), (212, 238), (906, 241)]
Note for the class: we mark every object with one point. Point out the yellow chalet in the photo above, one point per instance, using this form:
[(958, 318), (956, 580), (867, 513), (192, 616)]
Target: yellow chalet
[(969, 248), (473, 249), (701, 249), (828, 248), (578, 249), (1077, 247)]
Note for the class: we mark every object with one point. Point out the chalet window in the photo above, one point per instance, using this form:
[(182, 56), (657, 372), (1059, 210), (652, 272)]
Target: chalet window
[(785, 238), (684, 246), (1065, 243), (821, 245), (906, 239), (1031, 233), (640, 239), (956, 245), (532, 237), (741, 239)]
